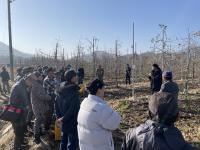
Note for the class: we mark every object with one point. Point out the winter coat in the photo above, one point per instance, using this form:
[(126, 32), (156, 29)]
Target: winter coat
[(4, 76), (39, 98), (128, 71), (80, 72), (96, 120), (67, 106), (170, 87), (154, 136), (156, 80), (19, 95)]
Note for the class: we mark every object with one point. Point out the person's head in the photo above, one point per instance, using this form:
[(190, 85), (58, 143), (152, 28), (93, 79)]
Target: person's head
[(45, 68), (58, 74), (3, 68), (96, 87), (39, 70), (19, 70), (29, 80), (155, 67), (70, 76), (163, 108), (68, 67), (26, 70), (167, 75), (50, 72), (38, 76)]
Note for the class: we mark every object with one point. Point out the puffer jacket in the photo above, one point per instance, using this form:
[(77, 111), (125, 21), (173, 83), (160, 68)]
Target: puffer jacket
[(39, 98), (155, 136), (96, 120), (67, 106)]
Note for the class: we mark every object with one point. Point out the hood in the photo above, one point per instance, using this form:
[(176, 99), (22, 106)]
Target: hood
[(68, 87), (171, 134)]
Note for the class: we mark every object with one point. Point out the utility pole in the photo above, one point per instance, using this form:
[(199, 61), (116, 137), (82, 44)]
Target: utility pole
[(63, 57), (10, 42), (116, 63), (163, 28), (188, 66), (93, 44), (56, 54), (93, 54), (133, 63)]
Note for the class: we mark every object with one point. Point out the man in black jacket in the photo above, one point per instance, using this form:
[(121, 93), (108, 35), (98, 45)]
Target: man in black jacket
[(159, 133), (155, 78), (128, 74), (67, 108), (5, 79), (19, 98), (81, 75)]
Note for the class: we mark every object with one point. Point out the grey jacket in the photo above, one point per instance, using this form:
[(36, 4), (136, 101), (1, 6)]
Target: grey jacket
[(39, 98), (155, 136), (170, 87), (19, 95)]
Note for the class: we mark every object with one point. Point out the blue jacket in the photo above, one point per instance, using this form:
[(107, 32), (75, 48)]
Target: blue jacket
[(68, 105)]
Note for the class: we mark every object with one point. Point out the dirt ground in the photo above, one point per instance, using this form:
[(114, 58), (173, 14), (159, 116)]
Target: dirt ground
[(135, 111)]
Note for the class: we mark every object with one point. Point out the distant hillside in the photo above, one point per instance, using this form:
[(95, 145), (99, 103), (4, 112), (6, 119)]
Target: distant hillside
[(4, 51)]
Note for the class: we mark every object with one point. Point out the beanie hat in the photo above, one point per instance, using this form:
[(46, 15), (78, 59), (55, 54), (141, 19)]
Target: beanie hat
[(155, 65), (94, 85), (164, 106), (167, 74), (69, 75)]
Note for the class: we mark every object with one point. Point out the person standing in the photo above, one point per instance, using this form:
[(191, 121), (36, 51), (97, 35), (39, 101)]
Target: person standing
[(80, 75), (38, 100), (155, 78), (100, 73), (168, 85), (96, 120), (5, 80), (49, 86), (19, 98), (128, 74), (67, 108)]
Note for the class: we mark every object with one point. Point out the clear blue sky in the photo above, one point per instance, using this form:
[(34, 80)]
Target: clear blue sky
[(38, 23)]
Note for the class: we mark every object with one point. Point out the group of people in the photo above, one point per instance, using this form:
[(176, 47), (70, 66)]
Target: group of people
[(88, 125)]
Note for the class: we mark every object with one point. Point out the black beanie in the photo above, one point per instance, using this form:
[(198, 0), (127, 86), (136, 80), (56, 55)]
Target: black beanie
[(69, 75), (94, 85)]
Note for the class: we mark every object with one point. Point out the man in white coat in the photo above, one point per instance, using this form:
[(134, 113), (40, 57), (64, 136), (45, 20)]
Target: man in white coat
[(96, 120)]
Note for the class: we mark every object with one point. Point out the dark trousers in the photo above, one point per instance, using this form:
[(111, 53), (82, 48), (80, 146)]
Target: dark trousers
[(69, 140), (80, 80), (6, 87), (128, 79), (19, 131), (49, 114)]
